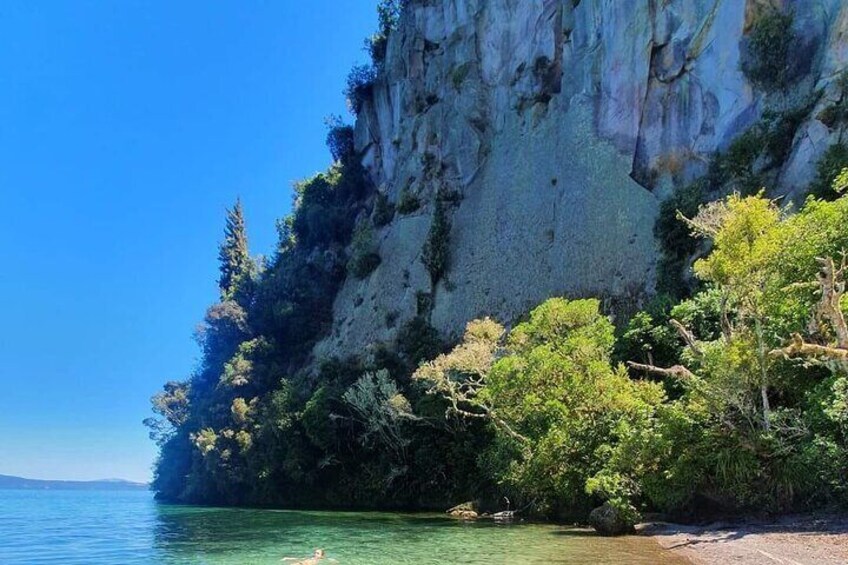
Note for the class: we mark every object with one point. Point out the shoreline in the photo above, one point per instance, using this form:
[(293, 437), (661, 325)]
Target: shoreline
[(798, 539)]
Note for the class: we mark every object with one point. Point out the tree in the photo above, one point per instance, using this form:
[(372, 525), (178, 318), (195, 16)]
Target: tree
[(172, 406), (556, 402), (750, 425), (381, 409), (436, 253), (236, 266), (363, 251)]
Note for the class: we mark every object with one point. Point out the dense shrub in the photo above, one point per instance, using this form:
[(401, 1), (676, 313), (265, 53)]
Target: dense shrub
[(780, 129), (384, 210), (676, 243), (836, 115), (418, 341), (359, 87), (436, 251), (730, 420), (769, 46), (408, 202), (340, 139), (363, 252), (552, 444), (831, 163), (388, 14)]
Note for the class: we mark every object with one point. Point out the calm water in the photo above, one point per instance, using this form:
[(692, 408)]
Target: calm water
[(95, 528)]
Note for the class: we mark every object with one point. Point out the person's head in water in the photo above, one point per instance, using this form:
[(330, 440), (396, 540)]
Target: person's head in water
[(319, 553)]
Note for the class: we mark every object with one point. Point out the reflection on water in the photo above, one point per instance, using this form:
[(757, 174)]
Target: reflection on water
[(112, 528)]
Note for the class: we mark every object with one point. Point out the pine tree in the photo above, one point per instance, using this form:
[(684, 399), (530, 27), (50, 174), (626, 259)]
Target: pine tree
[(236, 265)]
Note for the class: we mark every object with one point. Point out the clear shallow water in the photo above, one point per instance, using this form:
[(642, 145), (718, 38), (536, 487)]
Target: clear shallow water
[(111, 528)]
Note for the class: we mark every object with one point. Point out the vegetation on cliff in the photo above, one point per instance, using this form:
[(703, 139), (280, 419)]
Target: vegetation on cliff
[(733, 399), (728, 393)]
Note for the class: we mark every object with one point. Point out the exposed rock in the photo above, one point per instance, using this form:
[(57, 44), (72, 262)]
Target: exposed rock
[(608, 521), (504, 516), (559, 125), (464, 511), (464, 507)]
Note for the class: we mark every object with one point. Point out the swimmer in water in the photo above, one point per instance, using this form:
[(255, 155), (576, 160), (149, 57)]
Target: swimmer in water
[(318, 556)]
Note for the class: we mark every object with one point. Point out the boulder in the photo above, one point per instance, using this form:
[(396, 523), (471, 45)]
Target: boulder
[(464, 511), (609, 521)]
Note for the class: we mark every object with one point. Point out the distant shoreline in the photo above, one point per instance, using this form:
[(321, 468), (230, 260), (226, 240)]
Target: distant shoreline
[(793, 539), (9, 482)]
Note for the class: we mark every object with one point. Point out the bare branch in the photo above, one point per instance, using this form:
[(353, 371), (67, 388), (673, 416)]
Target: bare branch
[(833, 288), (687, 337), (799, 348), (726, 328), (676, 372)]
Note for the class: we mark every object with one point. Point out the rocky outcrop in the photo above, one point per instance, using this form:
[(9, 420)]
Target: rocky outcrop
[(609, 521), (553, 128)]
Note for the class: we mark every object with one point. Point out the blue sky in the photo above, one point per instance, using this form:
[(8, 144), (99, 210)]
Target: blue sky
[(126, 129)]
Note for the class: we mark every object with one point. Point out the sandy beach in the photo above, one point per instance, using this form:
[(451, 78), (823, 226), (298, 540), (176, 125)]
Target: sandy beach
[(791, 540)]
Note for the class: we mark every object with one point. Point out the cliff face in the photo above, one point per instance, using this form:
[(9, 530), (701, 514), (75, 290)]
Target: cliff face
[(556, 127)]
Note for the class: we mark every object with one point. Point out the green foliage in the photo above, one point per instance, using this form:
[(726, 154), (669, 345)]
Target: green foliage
[(408, 202), (418, 341), (754, 441), (459, 74), (836, 115), (840, 183), (779, 131), (363, 252), (340, 139), (388, 14), (720, 412), (384, 210), (831, 164), (768, 140), (382, 410), (237, 268), (558, 404), (676, 243), (436, 251), (769, 46), (324, 206), (359, 86), (738, 161), (649, 339), (172, 407)]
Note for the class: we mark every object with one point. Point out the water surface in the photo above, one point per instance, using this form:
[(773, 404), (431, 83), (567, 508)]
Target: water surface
[(111, 528)]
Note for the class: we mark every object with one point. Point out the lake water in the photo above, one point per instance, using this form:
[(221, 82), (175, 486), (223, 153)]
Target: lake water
[(99, 528)]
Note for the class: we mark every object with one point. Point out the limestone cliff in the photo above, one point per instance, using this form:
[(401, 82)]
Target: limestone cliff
[(557, 126)]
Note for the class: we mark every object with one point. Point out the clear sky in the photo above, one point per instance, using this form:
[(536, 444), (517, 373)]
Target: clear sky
[(126, 129)]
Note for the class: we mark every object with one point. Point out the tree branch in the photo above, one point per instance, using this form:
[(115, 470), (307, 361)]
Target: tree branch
[(687, 337), (676, 372), (799, 348), (833, 288)]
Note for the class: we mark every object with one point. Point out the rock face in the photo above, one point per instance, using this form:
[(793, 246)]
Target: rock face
[(555, 127), (608, 521)]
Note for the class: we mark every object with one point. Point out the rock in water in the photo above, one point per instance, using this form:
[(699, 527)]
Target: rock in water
[(464, 511), (608, 521)]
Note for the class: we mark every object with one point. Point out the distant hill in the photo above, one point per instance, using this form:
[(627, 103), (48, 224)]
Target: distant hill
[(19, 483)]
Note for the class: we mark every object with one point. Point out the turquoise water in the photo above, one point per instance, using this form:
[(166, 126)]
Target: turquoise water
[(95, 528)]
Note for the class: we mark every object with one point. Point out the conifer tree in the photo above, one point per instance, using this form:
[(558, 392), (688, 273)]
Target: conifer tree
[(236, 265)]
